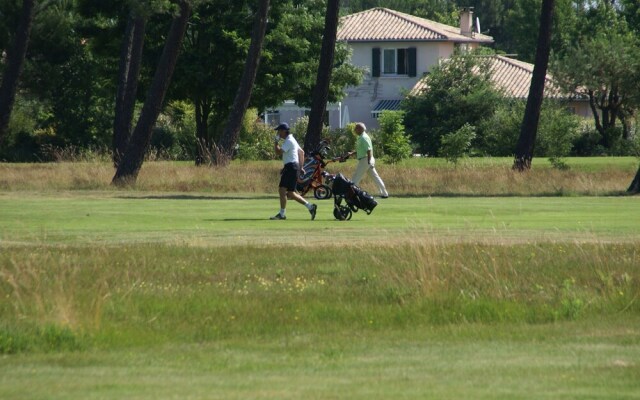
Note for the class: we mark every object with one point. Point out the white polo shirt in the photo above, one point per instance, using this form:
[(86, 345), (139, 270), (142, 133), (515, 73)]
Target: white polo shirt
[(290, 150)]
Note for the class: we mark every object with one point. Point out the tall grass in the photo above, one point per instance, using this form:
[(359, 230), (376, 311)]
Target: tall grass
[(152, 295), (76, 297), (476, 177)]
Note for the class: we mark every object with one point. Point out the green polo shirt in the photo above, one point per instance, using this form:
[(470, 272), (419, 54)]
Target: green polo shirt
[(363, 145)]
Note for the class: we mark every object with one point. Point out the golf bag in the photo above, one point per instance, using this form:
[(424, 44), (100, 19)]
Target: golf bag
[(314, 165), (354, 197)]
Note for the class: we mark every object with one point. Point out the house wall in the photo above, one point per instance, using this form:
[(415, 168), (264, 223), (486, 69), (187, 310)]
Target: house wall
[(290, 113), (581, 108), (362, 99)]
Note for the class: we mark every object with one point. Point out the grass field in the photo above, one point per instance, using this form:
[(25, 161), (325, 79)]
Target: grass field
[(597, 176), (168, 291)]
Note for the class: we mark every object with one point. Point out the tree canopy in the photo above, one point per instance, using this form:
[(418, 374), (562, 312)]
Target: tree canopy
[(459, 91), (604, 64), (66, 94)]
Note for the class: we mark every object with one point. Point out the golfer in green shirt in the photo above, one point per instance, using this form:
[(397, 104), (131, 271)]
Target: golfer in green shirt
[(366, 161)]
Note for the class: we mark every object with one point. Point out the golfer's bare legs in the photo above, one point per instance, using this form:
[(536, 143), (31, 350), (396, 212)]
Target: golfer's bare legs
[(284, 195)]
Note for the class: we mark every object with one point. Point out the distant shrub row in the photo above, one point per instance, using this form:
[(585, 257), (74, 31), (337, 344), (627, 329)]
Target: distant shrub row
[(560, 134)]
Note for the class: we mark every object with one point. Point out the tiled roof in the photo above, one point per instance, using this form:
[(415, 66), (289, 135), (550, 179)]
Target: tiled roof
[(513, 77), (382, 24)]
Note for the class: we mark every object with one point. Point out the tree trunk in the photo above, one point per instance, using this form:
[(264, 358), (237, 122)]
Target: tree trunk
[(229, 139), (609, 134), (529, 128), (203, 144), (594, 111), (634, 188), (606, 109), (626, 116), (132, 160), (323, 79), (15, 62), (130, 62)]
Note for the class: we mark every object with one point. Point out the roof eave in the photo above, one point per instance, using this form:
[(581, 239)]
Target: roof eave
[(416, 40), (473, 40)]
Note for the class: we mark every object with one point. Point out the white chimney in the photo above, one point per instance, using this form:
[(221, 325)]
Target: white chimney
[(466, 21)]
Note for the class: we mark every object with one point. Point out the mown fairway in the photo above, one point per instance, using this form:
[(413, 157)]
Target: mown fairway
[(155, 295), (209, 220)]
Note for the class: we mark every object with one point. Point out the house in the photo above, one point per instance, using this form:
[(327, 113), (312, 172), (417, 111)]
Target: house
[(513, 78), (397, 50)]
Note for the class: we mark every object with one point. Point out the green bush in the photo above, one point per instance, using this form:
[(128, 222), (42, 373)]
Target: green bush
[(57, 338), (501, 130), (396, 145), (341, 140), (556, 131), (174, 133), (626, 147), (586, 142), (460, 91), (12, 341), (299, 129), (47, 338), (82, 108), (256, 138), (27, 132), (457, 144)]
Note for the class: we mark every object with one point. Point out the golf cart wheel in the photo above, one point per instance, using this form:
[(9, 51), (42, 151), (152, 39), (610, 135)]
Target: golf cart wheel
[(342, 213), (322, 192)]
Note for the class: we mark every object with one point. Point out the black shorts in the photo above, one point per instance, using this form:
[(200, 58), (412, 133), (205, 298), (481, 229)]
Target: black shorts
[(289, 176)]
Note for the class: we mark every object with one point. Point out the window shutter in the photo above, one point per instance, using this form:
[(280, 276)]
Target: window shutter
[(413, 62), (401, 63), (375, 62)]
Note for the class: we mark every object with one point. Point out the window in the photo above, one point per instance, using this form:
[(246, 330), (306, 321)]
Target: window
[(394, 62), (464, 48), (389, 61)]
